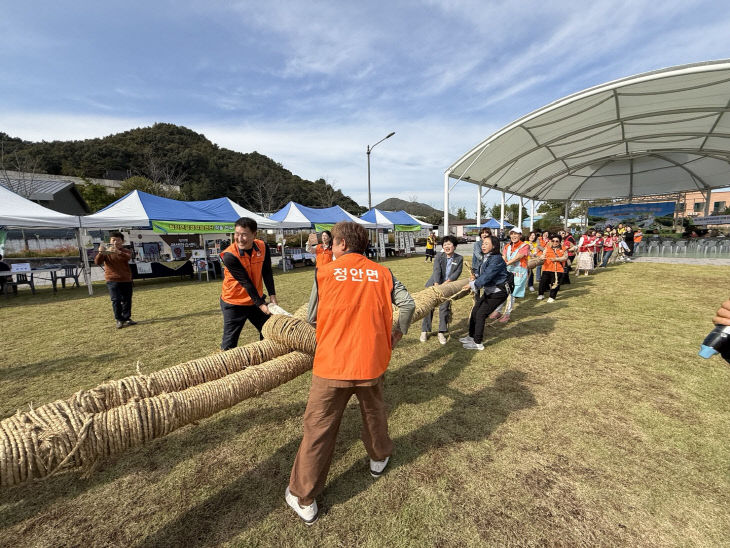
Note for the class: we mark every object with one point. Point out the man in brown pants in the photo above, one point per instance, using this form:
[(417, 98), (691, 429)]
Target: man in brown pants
[(355, 336)]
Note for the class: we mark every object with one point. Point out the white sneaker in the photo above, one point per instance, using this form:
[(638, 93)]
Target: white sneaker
[(466, 339), (532, 289), (473, 346), (442, 338), (377, 467), (424, 336), (540, 297), (309, 514), (551, 300)]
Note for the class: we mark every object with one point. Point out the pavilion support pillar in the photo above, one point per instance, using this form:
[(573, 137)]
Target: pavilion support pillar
[(532, 215), (567, 212), (446, 203), (479, 205), (501, 212), (519, 215)]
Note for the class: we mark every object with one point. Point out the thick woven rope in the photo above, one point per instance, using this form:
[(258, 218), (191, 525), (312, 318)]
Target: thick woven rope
[(76, 433)]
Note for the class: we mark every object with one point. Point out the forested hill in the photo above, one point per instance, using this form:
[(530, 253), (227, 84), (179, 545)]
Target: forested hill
[(166, 153)]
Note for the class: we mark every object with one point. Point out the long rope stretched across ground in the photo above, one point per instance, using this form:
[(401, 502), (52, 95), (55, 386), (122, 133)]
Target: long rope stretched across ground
[(93, 424)]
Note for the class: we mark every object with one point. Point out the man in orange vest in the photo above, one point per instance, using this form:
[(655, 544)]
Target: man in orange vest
[(355, 336), (247, 264)]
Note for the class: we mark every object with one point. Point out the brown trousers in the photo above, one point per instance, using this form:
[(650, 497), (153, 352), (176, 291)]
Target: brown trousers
[(326, 404)]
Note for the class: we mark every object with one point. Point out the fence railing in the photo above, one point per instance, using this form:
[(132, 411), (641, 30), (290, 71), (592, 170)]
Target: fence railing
[(693, 248)]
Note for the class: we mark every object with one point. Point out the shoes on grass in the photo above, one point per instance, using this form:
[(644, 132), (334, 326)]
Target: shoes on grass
[(120, 324), (466, 339), (532, 289), (442, 338), (540, 297), (551, 300), (473, 346), (424, 336), (309, 514), (504, 318), (377, 467), (130, 322), (494, 315)]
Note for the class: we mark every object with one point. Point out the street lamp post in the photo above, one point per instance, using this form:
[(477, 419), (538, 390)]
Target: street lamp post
[(370, 202)]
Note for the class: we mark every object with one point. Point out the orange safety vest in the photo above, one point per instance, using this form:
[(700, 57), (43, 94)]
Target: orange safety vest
[(324, 256), (550, 265), (509, 248), (638, 237), (233, 292), (354, 319)]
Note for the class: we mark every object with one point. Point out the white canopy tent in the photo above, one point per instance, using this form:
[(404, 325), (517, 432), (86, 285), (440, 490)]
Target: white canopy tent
[(661, 132), (19, 212)]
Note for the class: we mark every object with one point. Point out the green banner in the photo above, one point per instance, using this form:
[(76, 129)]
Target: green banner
[(407, 228), (190, 227), (319, 227), (3, 235)]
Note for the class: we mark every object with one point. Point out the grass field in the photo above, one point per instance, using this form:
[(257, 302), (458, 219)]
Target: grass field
[(589, 421)]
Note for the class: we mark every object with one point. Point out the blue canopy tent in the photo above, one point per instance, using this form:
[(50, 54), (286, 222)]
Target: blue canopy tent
[(294, 215), (394, 220), (139, 209), (494, 223)]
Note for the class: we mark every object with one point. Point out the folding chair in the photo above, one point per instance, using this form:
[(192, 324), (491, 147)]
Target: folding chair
[(69, 272), (22, 279)]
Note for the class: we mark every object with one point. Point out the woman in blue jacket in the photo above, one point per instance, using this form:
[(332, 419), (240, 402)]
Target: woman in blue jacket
[(491, 278)]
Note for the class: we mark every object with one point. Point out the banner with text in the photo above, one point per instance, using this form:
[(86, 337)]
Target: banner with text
[(182, 227)]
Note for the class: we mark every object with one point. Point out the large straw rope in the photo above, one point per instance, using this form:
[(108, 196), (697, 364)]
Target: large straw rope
[(118, 415)]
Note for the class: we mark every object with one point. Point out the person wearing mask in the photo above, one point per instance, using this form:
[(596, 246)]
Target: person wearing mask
[(118, 275), (491, 278), (355, 337), (447, 267), (247, 264), (555, 257)]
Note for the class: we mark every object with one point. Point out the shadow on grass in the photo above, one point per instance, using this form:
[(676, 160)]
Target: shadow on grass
[(152, 461), (260, 491), (46, 367)]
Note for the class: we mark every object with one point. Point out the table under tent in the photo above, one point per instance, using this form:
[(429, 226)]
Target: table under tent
[(404, 226), (296, 217), (173, 237), (16, 211)]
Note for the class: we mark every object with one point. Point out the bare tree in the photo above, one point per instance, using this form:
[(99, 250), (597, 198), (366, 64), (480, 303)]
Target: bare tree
[(264, 195), (326, 192), (20, 179), (18, 172), (162, 173)]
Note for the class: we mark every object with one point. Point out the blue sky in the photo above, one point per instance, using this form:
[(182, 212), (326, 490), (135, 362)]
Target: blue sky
[(311, 84)]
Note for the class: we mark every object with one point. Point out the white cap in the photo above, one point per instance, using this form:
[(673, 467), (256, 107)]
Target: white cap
[(516, 229)]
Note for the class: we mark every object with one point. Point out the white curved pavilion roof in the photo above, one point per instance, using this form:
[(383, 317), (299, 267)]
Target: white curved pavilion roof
[(660, 132)]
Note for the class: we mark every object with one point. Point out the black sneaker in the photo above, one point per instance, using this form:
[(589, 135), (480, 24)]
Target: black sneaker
[(130, 322)]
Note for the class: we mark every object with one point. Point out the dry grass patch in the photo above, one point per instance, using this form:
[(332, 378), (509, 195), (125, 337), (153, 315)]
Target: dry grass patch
[(588, 421)]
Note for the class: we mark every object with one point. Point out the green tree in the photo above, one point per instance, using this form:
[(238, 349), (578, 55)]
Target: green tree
[(96, 196), (144, 184), (461, 213), (511, 212)]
